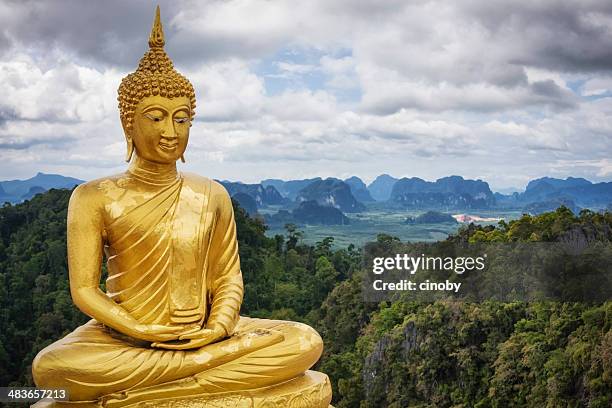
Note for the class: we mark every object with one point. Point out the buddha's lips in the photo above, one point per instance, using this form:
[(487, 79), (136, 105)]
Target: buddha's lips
[(168, 146)]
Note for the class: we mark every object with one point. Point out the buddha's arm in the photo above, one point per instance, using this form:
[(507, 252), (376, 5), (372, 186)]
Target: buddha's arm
[(226, 279), (85, 246)]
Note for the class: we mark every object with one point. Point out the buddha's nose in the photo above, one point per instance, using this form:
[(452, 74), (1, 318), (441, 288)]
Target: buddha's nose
[(167, 131)]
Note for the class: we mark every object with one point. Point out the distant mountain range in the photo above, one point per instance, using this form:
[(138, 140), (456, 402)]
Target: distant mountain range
[(16, 191), (291, 188), (295, 199), (548, 192)]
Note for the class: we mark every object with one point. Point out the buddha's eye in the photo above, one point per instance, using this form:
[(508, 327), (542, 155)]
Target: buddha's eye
[(181, 120), (154, 118)]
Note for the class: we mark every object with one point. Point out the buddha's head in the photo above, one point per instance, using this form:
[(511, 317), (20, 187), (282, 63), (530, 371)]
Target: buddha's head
[(156, 105)]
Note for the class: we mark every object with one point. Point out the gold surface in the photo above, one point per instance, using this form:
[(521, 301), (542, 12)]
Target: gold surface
[(310, 390), (168, 330)]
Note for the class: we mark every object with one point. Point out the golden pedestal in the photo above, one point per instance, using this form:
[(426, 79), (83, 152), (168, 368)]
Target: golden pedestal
[(311, 390)]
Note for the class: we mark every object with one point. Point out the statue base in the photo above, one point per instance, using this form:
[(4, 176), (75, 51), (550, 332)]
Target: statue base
[(311, 390)]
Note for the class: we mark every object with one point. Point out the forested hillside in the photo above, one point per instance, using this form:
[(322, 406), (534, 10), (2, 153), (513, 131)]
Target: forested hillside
[(402, 354), (451, 353), (35, 303)]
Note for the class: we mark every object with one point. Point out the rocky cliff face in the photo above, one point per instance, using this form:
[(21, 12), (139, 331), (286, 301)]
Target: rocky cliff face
[(385, 352), (331, 192), (448, 192)]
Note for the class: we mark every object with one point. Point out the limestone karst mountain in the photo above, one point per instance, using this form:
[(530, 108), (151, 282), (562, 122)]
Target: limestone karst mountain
[(448, 192), (263, 195), (432, 217), (544, 193), (359, 189), (246, 202), (331, 192), (381, 187), (309, 213), (289, 188)]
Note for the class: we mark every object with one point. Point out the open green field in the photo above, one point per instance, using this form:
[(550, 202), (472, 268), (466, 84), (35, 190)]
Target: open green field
[(367, 225)]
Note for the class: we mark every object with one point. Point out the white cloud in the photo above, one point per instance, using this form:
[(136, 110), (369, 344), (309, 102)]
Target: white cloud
[(597, 86), (293, 69), (65, 92), (302, 105), (227, 90)]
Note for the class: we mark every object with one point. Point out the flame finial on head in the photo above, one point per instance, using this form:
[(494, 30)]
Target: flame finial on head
[(156, 38)]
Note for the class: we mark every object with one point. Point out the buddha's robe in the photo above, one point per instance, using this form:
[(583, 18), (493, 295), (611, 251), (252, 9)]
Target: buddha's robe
[(173, 259)]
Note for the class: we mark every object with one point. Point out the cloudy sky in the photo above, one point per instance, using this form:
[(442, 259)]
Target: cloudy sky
[(502, 91)]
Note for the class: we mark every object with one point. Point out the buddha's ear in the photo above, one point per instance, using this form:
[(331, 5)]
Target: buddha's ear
[(130, 149), (126, 132), (128, 141)]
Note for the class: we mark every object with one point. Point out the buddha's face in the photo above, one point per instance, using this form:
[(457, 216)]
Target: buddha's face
[(160, 128)]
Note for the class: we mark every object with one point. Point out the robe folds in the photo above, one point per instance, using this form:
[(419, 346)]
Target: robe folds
[(173, 259)]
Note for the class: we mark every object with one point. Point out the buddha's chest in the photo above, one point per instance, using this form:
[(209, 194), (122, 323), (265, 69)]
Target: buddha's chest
[(188, 242), (157, 254)]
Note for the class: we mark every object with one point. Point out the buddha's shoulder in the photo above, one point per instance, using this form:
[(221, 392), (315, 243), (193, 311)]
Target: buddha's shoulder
[(100, 188), (195, 179), (219, 200), (216, 189)]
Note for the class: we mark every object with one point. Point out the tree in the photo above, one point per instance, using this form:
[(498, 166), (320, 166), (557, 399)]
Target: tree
[(293, 235), (325, 279)]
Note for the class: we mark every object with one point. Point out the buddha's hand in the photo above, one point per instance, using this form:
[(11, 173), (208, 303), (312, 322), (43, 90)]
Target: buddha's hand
[(157, 332), (195, 339)]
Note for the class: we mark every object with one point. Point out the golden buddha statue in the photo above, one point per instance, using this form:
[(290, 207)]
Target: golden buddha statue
[(167, 332)]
